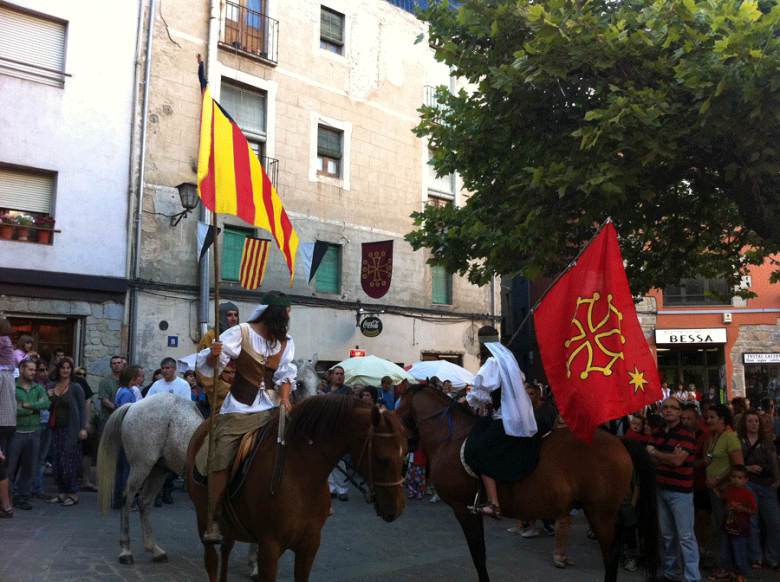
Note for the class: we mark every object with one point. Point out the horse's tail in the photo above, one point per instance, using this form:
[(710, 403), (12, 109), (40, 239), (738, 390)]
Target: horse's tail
[(108, 455), (647, 506)]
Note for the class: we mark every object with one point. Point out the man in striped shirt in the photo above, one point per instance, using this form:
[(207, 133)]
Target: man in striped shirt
[(672, 448)]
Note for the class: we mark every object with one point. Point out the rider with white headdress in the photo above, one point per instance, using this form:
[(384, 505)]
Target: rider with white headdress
[(263, 355), (506, 434)]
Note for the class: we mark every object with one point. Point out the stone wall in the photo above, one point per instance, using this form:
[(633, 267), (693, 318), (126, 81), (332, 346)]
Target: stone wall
[(751, 339), (101, 328)]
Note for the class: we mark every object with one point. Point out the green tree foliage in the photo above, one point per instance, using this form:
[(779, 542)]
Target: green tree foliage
[(660, 114)]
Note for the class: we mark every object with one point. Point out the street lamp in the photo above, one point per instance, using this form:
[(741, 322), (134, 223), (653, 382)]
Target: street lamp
[(188, 192)]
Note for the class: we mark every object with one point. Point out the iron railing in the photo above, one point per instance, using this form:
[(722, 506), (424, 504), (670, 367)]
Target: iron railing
[(251, 32), (271, 167)]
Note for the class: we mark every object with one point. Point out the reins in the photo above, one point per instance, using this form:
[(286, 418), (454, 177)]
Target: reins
[(445, 411)]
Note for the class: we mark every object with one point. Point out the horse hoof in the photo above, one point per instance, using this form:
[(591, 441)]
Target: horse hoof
[(126, 560), (161, 559), (254, 576)]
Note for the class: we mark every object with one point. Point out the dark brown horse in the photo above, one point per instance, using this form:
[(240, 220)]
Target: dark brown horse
[(570, 475), (322, 429)]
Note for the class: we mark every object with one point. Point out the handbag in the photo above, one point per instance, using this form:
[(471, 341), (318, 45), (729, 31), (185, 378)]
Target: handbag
[(53, 416)]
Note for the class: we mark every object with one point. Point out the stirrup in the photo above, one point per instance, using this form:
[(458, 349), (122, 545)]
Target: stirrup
[(213, 536), (495, 510)]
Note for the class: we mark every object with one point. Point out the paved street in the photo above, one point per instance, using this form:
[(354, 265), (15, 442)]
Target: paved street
[(76, 544)]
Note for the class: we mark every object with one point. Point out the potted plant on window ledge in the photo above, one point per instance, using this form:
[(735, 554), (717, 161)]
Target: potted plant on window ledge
[(7, 223), (24, 221), (45, 225)]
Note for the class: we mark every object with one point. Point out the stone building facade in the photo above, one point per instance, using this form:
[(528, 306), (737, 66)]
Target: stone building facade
[(291, 73)]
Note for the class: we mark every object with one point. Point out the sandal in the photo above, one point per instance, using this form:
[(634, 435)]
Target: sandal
[(55, 499), (720, 576), (756, 565), (562, 560), (487, 509), (68, 501), (6, 513)]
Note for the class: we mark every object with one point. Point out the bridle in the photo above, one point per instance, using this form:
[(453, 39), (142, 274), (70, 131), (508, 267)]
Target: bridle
[(447, 410), (369, 445)]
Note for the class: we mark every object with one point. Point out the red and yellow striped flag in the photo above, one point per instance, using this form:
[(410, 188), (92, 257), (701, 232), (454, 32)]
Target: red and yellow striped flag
[(254, 260), (232, 181)]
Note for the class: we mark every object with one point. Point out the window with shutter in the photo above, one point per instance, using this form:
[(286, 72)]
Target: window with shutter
[(32, 47), (248, 109), (329, 151), (442, 286), (232, 249), (331, 30), (327, 277)]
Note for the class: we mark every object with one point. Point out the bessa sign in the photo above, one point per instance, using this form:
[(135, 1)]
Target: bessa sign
[(371, 326)]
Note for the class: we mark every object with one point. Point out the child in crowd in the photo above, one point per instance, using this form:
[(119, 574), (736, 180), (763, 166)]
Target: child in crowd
[(740, 504), (637, 430)]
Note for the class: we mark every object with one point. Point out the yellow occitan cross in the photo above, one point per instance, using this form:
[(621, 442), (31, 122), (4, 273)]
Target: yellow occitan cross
[(597, 338), (377, 268), (638, 380)]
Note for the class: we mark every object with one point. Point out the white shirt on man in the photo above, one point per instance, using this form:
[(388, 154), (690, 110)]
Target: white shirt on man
[(179, 387)]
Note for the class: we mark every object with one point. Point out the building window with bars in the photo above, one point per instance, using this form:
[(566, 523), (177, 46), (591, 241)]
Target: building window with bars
[(232, 251), (327, 278), (442, 286), (331, 30), (329, 151)]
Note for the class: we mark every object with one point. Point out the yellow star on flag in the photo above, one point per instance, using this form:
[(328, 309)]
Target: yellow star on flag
[(638, 380)]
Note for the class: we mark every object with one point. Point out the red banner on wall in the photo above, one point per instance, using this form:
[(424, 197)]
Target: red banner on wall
[(377, 268)]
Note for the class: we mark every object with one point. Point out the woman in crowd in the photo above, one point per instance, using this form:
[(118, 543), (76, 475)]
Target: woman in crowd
[(69, 428), (156, 376), (761, 462), (42, 378), (7, 410), (723, 451), (24, 349), (89, 446)]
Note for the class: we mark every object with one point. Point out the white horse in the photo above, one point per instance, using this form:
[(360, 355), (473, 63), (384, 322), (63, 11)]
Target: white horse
[(155, 434)]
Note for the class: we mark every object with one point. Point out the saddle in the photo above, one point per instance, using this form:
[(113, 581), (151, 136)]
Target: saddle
[(247, 450)]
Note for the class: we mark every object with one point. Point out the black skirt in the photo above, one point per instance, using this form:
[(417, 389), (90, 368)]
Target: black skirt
[(490, 451)]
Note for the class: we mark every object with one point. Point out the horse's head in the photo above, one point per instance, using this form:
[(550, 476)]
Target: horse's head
[(307, 380), (381, 463)]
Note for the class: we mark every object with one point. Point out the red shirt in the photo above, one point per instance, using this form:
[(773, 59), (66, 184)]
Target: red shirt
[(633, 435), (735, 522)]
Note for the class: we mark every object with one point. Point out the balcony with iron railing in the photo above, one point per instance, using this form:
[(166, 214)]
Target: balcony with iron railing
[(250, 32)]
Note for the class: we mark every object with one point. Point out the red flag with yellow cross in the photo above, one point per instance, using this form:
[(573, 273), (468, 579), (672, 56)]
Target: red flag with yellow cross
[(593, 350)]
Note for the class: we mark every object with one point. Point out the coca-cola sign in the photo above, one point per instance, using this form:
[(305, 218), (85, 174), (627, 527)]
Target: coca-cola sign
[(371, 326)]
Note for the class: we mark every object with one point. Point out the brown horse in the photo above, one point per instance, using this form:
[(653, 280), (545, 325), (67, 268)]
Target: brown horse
[(570, 475), (322, 429)]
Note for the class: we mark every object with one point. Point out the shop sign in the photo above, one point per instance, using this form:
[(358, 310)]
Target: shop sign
[(715, 335), (761, 358), (357, 353), (371, 326)]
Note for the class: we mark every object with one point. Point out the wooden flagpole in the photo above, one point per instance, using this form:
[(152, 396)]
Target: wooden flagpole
[(558, 278), (211, 534)]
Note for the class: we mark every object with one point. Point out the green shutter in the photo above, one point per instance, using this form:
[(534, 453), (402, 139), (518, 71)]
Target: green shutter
[(442, 286), (327, 277), (331, 26), (232, 249), (329, 143)]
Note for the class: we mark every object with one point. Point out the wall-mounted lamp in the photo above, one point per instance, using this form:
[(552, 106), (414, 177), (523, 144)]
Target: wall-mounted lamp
[(188, 192)]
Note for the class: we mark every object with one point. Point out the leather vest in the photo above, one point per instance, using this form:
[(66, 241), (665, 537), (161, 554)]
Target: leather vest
[(253, 371)]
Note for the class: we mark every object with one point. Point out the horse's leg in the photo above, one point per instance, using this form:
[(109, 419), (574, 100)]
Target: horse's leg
[(603, 524), (252, 562), (227, 546), (134, 482), (210, 560), (475, 536), (304, 559), (151, 486), (268, 560)]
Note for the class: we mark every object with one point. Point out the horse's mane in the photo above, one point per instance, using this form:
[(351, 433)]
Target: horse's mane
[(318, 416)]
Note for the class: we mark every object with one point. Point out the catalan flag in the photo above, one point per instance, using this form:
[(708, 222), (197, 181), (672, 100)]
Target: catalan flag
[(253, 262), (232, 181)]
